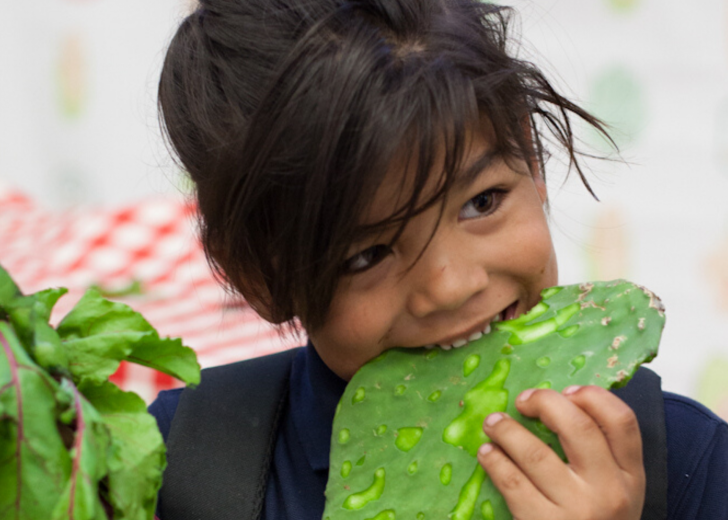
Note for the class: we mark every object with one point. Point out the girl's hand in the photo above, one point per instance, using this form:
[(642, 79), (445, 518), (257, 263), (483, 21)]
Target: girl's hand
[(605, 477)]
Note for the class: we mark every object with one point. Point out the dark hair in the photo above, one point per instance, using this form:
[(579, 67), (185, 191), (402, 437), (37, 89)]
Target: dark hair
[(287, 114)]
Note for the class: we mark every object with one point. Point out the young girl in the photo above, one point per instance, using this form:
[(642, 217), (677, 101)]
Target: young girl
[(374, 170)]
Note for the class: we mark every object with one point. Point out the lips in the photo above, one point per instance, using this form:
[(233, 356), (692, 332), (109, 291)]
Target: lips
[(477, 332)]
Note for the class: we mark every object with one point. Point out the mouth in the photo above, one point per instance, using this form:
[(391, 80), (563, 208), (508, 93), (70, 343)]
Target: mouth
[(477, 332)]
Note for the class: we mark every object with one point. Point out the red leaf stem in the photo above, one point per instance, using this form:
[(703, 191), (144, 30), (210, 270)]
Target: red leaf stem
[(77, 445), (15, 381)]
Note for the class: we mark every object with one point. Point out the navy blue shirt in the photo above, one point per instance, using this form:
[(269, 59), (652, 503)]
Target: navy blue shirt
[(697, 444)]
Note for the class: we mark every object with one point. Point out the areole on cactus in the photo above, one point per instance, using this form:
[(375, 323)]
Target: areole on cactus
[(409, 424)]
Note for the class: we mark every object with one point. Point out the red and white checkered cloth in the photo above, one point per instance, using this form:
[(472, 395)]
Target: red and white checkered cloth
[(153, 242)]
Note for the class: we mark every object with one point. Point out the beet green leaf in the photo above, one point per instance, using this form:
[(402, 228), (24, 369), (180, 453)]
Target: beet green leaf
[(73, 446)]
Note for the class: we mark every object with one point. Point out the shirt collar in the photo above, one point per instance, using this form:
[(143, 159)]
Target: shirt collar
[(315, 392)]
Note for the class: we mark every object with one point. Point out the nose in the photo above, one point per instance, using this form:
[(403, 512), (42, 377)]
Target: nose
[(445, 278)]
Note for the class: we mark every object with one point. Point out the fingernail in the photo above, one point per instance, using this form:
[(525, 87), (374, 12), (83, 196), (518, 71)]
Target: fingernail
[(571, 389), (525, 395), (493, 418), (485, 449)]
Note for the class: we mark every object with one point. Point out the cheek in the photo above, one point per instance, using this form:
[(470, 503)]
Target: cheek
[(358, 322), (533, 253), (356, 329)]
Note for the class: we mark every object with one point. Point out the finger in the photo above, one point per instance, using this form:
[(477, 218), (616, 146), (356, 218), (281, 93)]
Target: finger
[(581, 437), (518, 491), (534, 458), (616, 420)]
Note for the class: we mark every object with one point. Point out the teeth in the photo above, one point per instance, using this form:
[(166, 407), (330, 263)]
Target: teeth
[(462, 342)]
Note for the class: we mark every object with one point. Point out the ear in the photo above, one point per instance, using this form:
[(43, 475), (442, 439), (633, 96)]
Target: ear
[(533, 163)]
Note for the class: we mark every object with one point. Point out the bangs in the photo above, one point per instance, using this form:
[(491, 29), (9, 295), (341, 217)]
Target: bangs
[(427, 160)]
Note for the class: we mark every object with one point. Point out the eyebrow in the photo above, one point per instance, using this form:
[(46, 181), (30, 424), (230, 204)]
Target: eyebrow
[(468, 175)]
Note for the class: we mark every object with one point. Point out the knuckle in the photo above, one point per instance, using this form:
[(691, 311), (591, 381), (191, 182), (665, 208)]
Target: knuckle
[(590, 513), (536, 456), (626, 420), (620, 503), (510, 481), (619, 500), (585, 426)]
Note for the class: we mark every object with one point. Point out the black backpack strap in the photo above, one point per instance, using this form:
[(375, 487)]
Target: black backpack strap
[(221, 441), (644, 395)]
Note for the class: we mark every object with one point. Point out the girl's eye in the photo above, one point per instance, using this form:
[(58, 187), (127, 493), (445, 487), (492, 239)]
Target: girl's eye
[(366, 259), (482, 204)]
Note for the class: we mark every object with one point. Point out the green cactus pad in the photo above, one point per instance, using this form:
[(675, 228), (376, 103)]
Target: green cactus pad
[(414, 418)]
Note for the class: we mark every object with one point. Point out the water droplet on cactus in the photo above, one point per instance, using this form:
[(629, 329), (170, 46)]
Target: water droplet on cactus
[(469, 495), (381, 429), (387, 514), (412, 468), (373, 492), (361, 461), (420, 516), (487, 510), (568, 331), (346, 468), (471, 363), (523, 332), (380, 357), (488, 396), (508, 349), (434, 396), (446, 474), (399, 389), (541, 427), (551, 291), (344, 436), (432, 354), (578, 363), (543, 362), (408, 437), (544, 385), (359, 395)]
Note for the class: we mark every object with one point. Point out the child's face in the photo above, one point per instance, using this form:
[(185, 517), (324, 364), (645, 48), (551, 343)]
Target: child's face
[(490, 257)]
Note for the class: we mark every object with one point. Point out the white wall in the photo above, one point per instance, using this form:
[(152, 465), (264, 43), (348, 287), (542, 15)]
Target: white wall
[(78, 126)]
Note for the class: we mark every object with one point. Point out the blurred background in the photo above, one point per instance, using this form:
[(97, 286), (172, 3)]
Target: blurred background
[(89, 195)]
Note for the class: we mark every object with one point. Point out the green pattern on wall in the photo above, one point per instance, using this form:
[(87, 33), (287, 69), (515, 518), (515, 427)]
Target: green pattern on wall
[(616, 97), (623, 5), (713, 386), (72, 76)]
